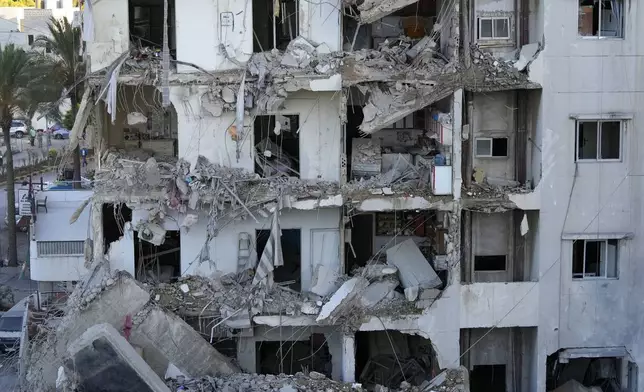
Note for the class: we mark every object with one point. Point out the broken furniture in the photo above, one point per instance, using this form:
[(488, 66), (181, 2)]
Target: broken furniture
[(41, 203)]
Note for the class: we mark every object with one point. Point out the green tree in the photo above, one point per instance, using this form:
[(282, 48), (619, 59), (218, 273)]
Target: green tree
[(19, 76), (65, 65)]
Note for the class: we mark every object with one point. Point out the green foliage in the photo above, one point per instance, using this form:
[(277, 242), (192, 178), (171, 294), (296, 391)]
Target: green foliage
[(68, 119), (17, 3), (52, 154)]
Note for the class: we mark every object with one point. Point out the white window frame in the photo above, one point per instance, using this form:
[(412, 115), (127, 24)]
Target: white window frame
[(494, 36), (491, 140), (622, 124), (620, 34), (605, 260)]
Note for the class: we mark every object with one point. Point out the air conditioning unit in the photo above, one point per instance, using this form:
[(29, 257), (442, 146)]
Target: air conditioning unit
[(152, 233)]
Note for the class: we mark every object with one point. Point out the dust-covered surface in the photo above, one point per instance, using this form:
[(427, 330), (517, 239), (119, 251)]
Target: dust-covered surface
[(451, 380)]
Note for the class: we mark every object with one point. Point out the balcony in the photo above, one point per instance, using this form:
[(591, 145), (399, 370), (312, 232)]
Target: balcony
[(57, 246)]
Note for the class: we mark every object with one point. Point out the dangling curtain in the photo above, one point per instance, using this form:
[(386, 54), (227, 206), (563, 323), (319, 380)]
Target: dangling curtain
[(617, 11)]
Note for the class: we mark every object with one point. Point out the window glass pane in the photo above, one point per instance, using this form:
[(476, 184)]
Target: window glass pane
[(501, 28), (610, 135), (593, 257), (500, 147), (483, 147), (486, 28), (587, 140), (611, 259)]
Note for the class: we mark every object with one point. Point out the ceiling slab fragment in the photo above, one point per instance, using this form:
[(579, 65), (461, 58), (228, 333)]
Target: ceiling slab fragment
[(372, 10)]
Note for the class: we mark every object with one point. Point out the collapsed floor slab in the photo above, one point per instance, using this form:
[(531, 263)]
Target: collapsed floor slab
[(104, 361), (110, 301)]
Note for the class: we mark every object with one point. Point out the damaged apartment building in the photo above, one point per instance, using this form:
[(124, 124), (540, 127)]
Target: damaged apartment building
[(373, 191)]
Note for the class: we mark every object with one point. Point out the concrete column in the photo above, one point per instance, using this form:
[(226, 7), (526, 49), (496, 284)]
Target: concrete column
[(247, 355), (348, 358), (97, 231), (457, 140)]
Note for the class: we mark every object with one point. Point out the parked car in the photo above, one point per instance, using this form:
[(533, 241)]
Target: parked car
[(61, 133), (18, 129), (12, 323)]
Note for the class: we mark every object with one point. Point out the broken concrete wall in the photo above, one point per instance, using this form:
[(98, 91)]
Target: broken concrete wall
[(226, 22), (112, 308), (179, 343), (494, 117), (102, 359), (491, 236), (109, 299), (203, 131), (223, 249), (319, 242), (111, 33), (320, 22)]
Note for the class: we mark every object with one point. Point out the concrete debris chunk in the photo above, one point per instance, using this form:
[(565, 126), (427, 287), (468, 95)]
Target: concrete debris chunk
[(342, 299), (413, 269), (576, 386), (299, 53), (136, 118), (378, 271), (152, 173), (189, 220), (411, 293), (527, 54), (105, 361), (376, 292)]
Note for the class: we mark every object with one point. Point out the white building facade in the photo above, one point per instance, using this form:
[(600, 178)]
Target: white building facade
[(458, 159)]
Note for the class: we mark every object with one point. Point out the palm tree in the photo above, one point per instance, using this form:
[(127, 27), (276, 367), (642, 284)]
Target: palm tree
[(65, 64), (18, 76)]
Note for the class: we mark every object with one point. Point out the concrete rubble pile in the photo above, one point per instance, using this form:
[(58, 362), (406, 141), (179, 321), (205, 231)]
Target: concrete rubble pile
[(451, 380), (493, 73), (124, 304), (116, 329), (224, 296), (126, 174)]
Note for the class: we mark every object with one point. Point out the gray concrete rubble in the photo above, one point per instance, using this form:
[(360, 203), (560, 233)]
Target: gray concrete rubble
[(115, 299), (102, 360), (414, 270), (451, 380), (576, 386), (372, 10), (228, 193)]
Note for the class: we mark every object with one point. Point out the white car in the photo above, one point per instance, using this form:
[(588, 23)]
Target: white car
[(18, 129)]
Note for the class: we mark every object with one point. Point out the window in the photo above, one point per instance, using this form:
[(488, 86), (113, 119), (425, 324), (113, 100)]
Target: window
[(491, 28), (594, 259), (489, 263), (601, 18), (491, 147), (599, 140)]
